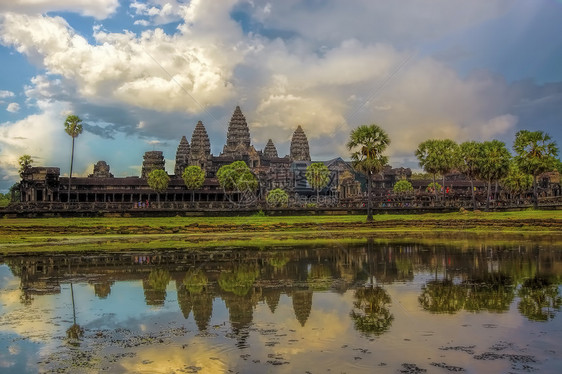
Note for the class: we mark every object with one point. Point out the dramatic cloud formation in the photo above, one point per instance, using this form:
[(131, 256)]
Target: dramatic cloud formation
[(419, 69)]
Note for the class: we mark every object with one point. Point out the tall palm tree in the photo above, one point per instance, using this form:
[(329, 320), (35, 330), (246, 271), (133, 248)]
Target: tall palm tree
[(369, 142), (448, 157), (73, 127), (536, 154), (470, 154), (428, 157), (494, 164)]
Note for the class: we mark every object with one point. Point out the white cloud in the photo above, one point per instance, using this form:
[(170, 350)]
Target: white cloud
[(98, 9), (159, 12), (184, 71), (333, 67), (5, 94), (13, 107)]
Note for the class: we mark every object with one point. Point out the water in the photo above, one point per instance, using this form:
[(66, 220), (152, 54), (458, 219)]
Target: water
[(388, 308)]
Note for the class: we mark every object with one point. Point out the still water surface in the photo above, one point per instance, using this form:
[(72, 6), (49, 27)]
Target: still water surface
[(388, 308)]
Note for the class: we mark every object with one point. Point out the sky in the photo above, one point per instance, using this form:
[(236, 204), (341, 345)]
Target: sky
[(141, 74)]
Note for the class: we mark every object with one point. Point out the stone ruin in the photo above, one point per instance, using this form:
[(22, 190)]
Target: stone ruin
[(152, 160), (101, 170)]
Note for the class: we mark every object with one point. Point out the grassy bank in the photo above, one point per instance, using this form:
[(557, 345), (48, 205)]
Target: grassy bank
[(113, 233)]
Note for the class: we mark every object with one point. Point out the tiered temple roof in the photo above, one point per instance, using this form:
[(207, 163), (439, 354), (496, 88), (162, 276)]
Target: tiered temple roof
[(299, 146), (200, 145), (152, 160), (238, 135), (270, 151), (182, 156), (101, 170)]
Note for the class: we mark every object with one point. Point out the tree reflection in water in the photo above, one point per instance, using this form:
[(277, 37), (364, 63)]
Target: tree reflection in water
[(540, 299), (74, 332), (240, 280), (442, 296), (371, 314), (155, 287), (494, 294)]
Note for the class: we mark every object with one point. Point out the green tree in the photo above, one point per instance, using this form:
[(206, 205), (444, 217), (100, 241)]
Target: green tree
[(428, 157), (516, 182), (448, 158), (368, 142), (25, 163), (470, 155), (238, 178), (494, 164), (536, 153), (318, 176), (73, 127), (403, 187), (158, 180), (193, 177), (433, 186), (277, 198)]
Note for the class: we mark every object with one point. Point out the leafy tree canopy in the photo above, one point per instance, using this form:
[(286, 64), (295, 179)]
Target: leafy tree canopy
[(158, 180), (237, 177), (25, 162), (277, 198), (516, 182), (317, 175), (469, 158), (368, 142), (73, 125), (535, 152), (193, 177), (495, 161), (403, 187)]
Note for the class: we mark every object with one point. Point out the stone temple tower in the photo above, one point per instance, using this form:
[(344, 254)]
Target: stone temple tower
[(270, 151), (238, 135), (200, 146), (182, 156), (152, 160), (299, 146)]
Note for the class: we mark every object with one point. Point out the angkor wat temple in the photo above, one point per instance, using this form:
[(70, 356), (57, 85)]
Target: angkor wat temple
[(45, 184), (44, 187)]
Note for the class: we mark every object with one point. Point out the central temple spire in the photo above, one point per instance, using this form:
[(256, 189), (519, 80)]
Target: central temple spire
[(238, 135)]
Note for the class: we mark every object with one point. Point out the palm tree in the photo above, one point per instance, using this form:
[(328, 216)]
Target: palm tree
[(158, 180), (369, 141), (470, 154), (494, 164), (427, 154), (25, 163), (448, 158), (536, 154), (73, 127)]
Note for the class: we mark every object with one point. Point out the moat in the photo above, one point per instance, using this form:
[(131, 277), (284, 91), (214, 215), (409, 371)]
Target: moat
[(388, 308)]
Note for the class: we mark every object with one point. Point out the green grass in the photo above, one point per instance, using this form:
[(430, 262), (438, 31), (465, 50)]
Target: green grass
[(115, 233), (257, 220)]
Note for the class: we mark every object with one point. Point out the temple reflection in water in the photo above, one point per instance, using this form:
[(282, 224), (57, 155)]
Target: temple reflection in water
[(473, 279)]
